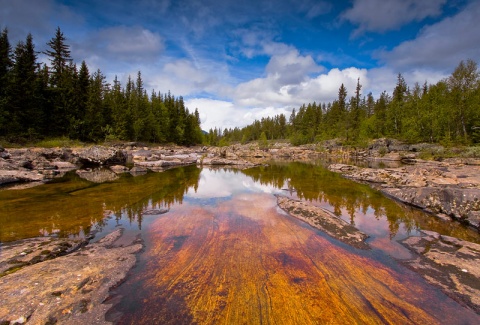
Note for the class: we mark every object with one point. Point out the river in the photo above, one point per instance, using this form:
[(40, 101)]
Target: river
[(218, 250)]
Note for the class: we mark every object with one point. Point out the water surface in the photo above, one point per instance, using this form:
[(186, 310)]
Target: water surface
[(224, 253)]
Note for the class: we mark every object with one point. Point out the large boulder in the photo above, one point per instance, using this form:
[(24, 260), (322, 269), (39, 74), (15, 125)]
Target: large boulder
[(99, 155)]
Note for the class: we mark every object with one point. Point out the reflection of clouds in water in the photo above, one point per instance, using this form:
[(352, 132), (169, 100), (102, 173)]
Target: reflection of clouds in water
[(257, 187), (211, 184), (224, 183)]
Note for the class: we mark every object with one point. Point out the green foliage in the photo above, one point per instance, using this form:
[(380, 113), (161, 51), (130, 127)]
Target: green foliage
[(447, 112), (62, 102), (223, 142), (263, 142), (58, 143), (471, 152), (382, 151)]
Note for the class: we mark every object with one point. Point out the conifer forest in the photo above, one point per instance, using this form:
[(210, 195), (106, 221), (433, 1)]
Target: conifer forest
[(63, 100)]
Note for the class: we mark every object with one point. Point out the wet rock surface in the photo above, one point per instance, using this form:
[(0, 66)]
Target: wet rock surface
[(449, 263), (324, 220), (69, 289)]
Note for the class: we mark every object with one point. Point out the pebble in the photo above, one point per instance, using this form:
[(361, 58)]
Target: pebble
[(20, 320), (464, 270)]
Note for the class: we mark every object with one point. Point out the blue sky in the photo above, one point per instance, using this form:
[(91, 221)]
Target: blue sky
[(237, 61)]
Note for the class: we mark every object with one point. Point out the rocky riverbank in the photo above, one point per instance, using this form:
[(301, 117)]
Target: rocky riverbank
[(448, 263), (68, 289), (39, 165), (449, 189)]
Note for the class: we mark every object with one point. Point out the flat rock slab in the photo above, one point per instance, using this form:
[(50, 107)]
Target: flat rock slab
[(17, 255), (325, 221), (13, 176), (70, 289), (449, 263)]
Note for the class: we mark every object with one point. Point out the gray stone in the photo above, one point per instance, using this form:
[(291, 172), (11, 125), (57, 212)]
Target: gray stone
[(100, 155), (97, 175)]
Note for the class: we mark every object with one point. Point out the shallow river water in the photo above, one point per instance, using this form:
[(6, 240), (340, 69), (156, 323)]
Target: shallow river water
[(218, 250)]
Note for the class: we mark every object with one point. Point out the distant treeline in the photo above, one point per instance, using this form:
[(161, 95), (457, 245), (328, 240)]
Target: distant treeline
[(447, 112), (62, 100)]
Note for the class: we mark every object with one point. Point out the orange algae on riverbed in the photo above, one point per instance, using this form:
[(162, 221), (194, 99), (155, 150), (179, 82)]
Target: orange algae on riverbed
[(244, 261)]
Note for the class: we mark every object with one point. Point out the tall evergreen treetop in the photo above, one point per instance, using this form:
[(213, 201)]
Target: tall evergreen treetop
[(5, 54), (59, 55)]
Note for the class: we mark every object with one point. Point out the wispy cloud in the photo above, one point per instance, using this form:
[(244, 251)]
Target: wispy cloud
[(23, 16), (384, 15), (440, 46)]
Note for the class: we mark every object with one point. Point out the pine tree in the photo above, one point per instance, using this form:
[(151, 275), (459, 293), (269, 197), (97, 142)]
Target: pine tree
[(61, 84), (25, 115), (395, 109), (79, 106), (462, 86), (5, 61), (59, 54), (95, 108), (5, 68)]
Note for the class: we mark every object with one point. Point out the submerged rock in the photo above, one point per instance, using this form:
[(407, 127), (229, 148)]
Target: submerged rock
[(325, 221), (137, 171), (97, 175)]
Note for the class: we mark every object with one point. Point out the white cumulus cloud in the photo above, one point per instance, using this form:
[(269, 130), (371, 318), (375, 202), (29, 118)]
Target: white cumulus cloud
[(323, 87), (225, 114)]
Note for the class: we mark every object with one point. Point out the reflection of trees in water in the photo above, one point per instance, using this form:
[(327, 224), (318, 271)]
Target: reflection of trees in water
[(315, 183), (71, 206), (167, 188)]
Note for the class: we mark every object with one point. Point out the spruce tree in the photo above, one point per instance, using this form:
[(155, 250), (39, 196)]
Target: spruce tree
[(5, 68), (61, 84), (59, 54), (25, 115)]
